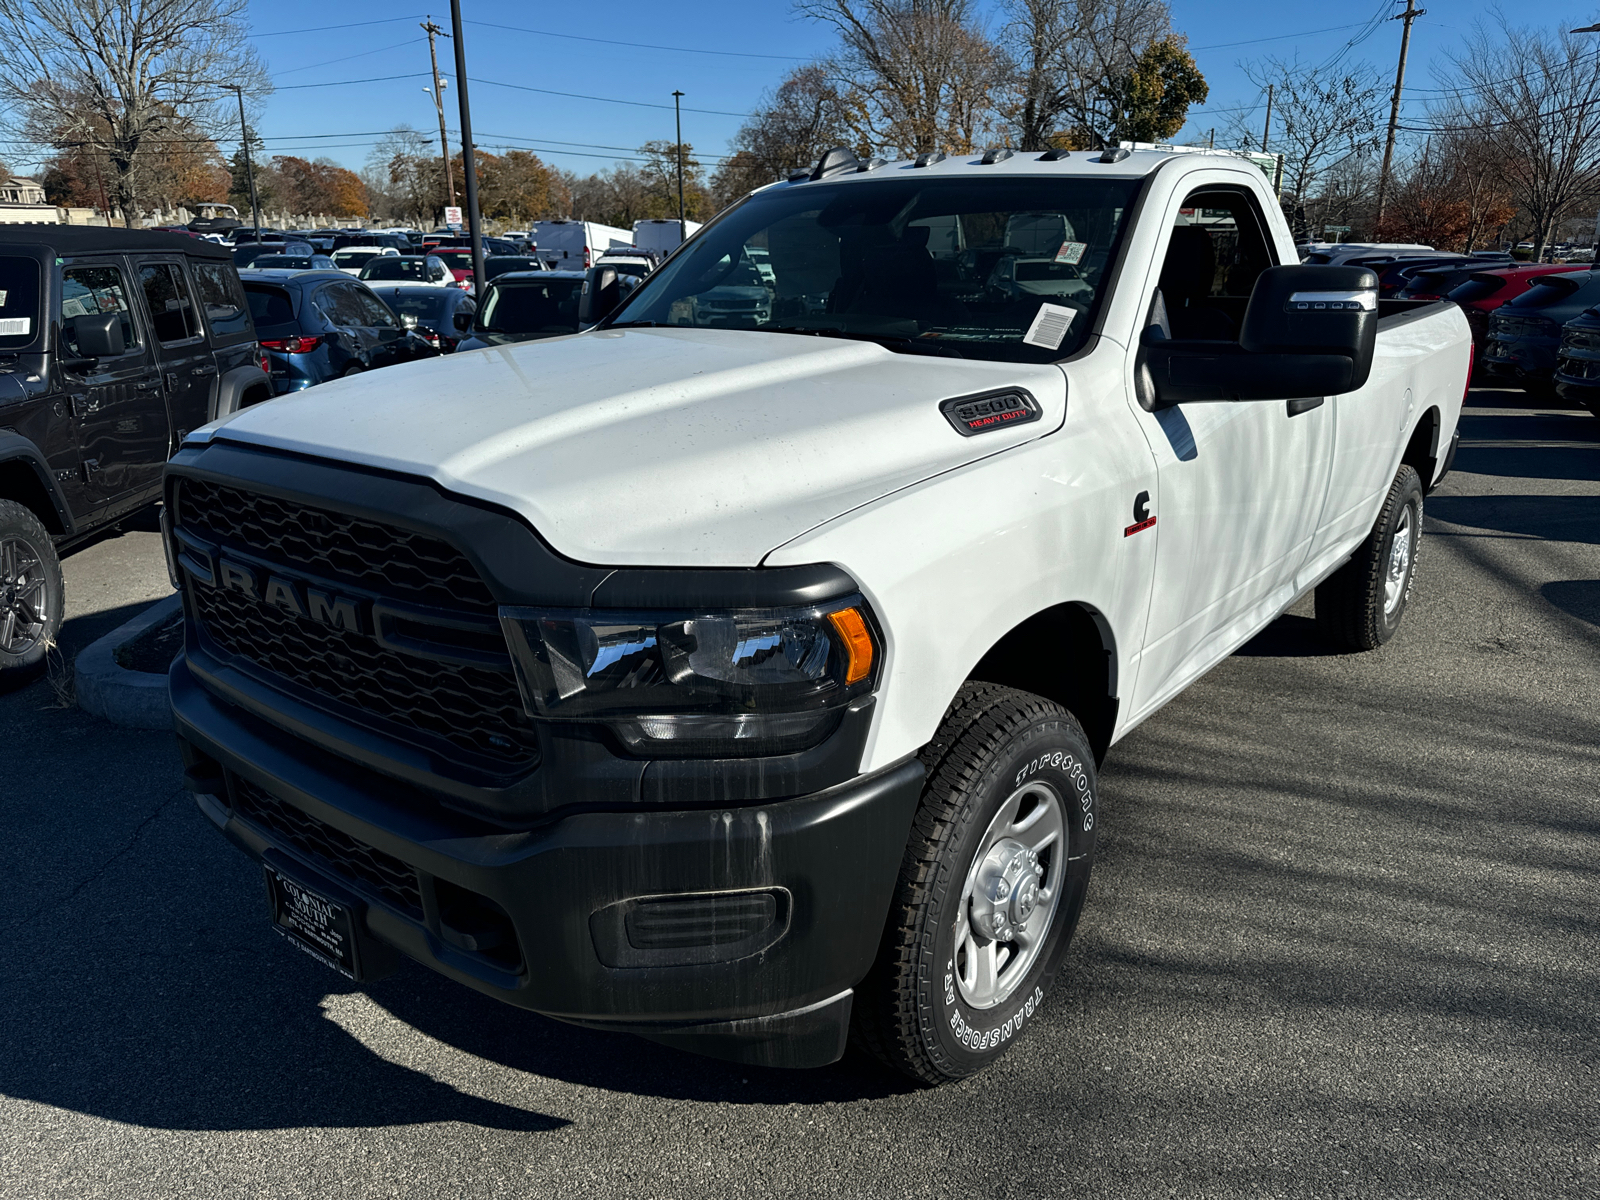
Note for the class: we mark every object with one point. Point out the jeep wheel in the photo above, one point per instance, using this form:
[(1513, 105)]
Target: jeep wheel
[(990, 887), (1360, 605), (31, 593)]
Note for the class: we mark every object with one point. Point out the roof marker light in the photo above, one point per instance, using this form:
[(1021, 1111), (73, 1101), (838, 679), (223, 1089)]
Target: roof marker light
[(928, 157), (1112, 154), (1054, 154), (995, 154)]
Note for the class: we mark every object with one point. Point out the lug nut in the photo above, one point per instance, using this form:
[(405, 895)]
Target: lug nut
[(1002, 889)]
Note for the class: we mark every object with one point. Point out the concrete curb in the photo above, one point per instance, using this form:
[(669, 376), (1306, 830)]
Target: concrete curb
[(134, 698)]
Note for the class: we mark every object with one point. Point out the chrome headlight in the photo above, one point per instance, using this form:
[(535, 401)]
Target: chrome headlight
[(715, 683)]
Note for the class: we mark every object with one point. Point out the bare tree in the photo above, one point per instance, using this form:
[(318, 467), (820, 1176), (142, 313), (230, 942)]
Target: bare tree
[(1321, 118), (791, 127), (119, 74), (1072, 66), (915, 75), (1536, 96)]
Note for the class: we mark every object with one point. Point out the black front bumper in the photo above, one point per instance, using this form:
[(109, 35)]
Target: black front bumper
[(540, 917)]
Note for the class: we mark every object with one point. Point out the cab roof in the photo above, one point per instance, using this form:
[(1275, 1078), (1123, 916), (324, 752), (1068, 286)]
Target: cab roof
[(92, 239), (1123, 164)]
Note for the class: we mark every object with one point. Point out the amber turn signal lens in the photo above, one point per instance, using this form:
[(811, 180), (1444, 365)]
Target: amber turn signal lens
[(857, 643)]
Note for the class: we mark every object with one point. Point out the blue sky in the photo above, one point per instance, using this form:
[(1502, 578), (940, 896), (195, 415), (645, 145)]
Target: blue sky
[(722, 54)]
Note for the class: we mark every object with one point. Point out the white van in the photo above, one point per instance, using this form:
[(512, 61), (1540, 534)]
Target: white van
[(662, 235), (574, 245)]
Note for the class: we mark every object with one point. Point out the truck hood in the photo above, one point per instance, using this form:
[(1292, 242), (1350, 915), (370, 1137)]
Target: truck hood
[(658, 447)]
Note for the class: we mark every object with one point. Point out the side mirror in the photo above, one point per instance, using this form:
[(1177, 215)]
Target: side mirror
[(462, 319), (1308, 331), (601, 295), (99, 336)]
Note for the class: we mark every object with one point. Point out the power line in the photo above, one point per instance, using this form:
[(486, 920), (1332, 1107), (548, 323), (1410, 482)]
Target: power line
[(521, 87), (1282, 37), (640, 45), (295, 87), (325, 28), (347, 57)]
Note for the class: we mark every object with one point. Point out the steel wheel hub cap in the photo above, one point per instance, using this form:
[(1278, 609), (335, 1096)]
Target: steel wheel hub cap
[(1394, 583), (23, 618), (1012, 890)]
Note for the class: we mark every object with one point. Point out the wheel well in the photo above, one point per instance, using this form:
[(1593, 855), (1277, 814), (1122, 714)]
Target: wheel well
[(1422, 451), (254, 395), (20, 482), (1066, 654)]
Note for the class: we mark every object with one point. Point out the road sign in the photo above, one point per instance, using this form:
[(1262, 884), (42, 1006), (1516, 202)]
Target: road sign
[(1336, 229), (452, 217)]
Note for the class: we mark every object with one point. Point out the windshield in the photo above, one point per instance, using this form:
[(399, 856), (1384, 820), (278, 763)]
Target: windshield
[(426, 310), (545, 306), (1005, 268), (456, 260), (393, 266), (1550, 289), (501, 263), (356, 258), (297, 262), (19, 301)]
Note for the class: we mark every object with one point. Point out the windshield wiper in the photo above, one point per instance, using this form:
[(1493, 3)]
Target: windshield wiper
[(638, 325), (898, 343)]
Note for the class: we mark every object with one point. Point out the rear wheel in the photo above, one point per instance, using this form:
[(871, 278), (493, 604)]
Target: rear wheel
[(353, 369), (992, 882), (32, 593), (1360, 606)]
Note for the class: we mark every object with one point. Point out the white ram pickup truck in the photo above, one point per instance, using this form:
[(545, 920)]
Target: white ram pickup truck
[(738, 677)]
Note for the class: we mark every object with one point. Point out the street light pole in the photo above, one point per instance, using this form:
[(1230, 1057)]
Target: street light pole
[(677, 115), (437, 92), (468, 167)]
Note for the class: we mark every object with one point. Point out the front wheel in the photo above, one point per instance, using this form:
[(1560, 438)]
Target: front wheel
[(1360, 605), (990, 888), (32, 596)]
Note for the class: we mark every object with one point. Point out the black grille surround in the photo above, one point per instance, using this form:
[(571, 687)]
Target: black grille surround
[(347, 859), (392, 562), (469, 714)]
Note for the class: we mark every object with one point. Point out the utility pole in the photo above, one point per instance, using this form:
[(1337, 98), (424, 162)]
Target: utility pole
[(468, 167), (1411, 13), (437, 91), (677, 114), (249, 168), (1266, 130)]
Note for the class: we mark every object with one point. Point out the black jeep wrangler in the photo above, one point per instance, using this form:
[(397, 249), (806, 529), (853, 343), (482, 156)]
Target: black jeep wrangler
[(114, 343)]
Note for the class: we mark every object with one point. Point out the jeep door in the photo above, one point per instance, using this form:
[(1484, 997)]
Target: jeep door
[(188, 367), (121, 413)]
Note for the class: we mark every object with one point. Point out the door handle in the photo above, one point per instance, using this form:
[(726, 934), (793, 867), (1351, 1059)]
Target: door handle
[(203, 371), (147, 385), (1304, 404)]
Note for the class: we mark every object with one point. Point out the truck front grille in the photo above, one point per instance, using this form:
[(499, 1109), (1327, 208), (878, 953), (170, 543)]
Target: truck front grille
[(454, 707), (348, 859)]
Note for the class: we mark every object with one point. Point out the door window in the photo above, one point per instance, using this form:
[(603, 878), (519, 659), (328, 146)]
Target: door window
[(92, 291), (340, 305), (1218, 248), (166, 295), (377, 313), (217, 284)]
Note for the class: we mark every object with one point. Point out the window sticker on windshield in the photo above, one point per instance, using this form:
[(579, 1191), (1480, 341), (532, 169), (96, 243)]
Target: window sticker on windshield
[(1049, 326), (1071, 252), (3, 299), (16, 326)]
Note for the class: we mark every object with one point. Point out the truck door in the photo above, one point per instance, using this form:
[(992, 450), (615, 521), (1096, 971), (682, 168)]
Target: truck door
[(121, 413), (1240, 485), (188, 366)]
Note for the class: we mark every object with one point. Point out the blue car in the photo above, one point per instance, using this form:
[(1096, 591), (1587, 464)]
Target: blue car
[(321, 325)]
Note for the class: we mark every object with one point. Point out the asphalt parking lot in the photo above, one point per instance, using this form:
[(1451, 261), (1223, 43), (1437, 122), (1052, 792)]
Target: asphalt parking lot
[(1341, 941)]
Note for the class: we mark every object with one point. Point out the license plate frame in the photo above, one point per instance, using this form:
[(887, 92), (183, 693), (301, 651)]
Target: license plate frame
[(317, 919)]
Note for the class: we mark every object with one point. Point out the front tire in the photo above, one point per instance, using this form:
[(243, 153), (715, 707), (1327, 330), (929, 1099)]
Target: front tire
[(990, 889), (1360, 606), (32, 594)]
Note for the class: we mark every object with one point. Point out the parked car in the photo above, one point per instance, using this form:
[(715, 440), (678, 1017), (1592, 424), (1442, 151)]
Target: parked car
[(1339, 254), (1437, 282), (408, 268), (321, 325), (246, 255), (500, 264), (1394, 277), (737, 686), (1484, 291), (635, 263), (662, 235), (1577, 377), (527, 305), (440, 316), (114, 344), (460, 263), (293, 262), (1525, 333), (351, 259)]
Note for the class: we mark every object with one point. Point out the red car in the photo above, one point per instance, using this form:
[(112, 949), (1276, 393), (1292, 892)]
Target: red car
[(460, 263), (1488, 290)]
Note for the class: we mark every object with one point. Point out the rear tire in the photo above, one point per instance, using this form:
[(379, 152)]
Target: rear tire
[(352, 369), (1360, 606), (990, 889), (32, 594)]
